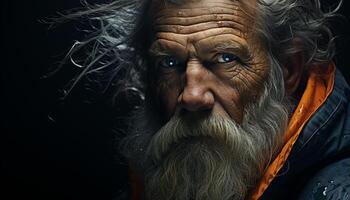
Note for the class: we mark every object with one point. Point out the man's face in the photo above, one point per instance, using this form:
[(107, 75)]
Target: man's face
[(223, 112), (207, 57)]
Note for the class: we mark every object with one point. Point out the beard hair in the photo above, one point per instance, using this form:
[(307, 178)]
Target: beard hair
[(209, 157)]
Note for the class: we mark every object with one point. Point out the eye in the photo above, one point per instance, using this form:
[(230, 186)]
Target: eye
[(169, 62), (226, 58)]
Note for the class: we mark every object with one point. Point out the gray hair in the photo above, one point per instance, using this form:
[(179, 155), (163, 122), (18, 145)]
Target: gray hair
[(116, 46), (282, 21)]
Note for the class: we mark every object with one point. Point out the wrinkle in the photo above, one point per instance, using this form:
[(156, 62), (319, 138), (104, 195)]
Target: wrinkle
[(256, 71), (244, 83), (192, 12), (239, 38), (217, 23), (166, 35), (197, 19), (249, 81), (234, 71), (190, 29), (198, 36)]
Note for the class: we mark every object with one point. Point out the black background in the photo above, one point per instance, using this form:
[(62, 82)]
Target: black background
[(54, 149)]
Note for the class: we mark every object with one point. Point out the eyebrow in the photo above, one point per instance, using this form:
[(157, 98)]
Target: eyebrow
[(165, 47), (159, 48), (155, 50), (223, 46)]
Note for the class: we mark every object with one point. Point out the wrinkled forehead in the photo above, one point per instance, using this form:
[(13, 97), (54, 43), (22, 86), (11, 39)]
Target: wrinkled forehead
[(158, 4), (195, 20), (188, 8)]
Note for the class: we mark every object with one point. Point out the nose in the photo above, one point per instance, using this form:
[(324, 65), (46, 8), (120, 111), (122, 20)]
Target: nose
[(196, 94)]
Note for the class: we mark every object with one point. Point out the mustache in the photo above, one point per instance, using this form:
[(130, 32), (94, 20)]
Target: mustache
[(180, 127)]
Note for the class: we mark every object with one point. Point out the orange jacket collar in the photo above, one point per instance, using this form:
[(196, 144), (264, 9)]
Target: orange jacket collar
[(319, 86)]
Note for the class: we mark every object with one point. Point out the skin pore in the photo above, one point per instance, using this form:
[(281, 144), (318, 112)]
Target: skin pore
[(207, 57)]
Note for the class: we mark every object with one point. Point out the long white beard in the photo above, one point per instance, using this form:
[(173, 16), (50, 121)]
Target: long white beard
[(214, 157)]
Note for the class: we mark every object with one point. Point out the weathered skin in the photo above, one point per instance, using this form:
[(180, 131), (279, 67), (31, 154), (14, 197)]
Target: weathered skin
[(200, 35)]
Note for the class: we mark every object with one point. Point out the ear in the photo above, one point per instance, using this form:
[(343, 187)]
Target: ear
[(293, 69)]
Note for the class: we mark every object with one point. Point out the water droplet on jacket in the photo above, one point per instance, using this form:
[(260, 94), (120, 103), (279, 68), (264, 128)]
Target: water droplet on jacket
[(51, 118), (318, 192), (64, 92), (324, 191)]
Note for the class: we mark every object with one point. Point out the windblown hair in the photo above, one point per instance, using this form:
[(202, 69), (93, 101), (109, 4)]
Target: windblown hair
[(282, 21), (117, 46)]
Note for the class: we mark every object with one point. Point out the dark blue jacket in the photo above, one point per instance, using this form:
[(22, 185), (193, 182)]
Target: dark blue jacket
[(319, 165)]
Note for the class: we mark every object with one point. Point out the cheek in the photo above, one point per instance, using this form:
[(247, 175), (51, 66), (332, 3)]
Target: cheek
[(247, 83), (168, 88), (252, 83)]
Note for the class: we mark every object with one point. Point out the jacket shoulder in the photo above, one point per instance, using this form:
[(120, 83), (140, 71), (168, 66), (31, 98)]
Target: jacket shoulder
[(330, 183)]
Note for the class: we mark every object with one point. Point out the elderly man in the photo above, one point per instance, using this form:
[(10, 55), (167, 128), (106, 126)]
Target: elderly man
[(241, 98)]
